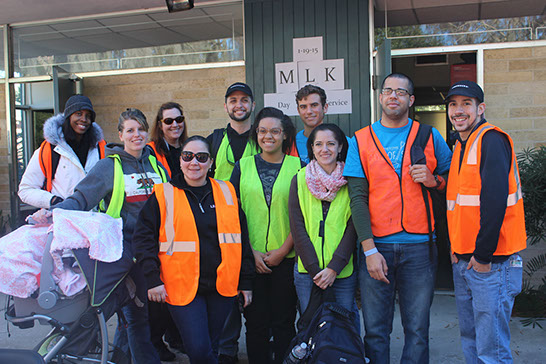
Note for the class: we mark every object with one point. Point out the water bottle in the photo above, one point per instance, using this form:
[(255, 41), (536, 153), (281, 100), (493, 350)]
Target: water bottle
[(298, 353)]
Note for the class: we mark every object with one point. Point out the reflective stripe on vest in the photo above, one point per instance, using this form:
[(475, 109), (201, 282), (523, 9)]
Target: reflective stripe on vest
[(335, 224), (179, 242), (46, 164), (225, 161), (118, 189), (268, 227), (161, 158), (472, 159), (463, 199), (395, 202)]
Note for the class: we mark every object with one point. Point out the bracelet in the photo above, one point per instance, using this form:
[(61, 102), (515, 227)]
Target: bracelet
[(371, 252)]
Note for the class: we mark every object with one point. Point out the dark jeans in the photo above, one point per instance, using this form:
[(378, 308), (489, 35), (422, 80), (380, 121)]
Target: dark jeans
[(161, 323), (229, 340), (136, 335), (273, 311), (200, 324)]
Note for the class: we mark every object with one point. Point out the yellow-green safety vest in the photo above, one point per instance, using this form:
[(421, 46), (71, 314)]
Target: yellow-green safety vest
[(334, 225), (118, 191), (268, 227), (225, 161)]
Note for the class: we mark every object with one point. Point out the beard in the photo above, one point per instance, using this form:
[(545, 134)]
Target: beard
[(242, 118)]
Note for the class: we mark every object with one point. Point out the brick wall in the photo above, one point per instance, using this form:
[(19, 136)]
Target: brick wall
[(515, 93), (515, 98), (200, 92)]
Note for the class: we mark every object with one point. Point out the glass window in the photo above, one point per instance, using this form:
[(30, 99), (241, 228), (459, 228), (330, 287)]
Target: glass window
[(28, 126), (467, 32), (201, 35)]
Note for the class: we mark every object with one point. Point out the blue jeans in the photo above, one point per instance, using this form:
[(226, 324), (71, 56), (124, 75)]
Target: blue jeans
[(344, 292), (200, 324), (136, 336), (411, 272), (484, 303)]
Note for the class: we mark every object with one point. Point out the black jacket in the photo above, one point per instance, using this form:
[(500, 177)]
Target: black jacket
[(146, 239)]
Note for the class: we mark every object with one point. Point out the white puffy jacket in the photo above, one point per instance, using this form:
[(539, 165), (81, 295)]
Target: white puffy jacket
[(69, 171)]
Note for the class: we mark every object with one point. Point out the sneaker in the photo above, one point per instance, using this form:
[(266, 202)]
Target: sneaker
[(177, 345), (165, 354), (227, 359)]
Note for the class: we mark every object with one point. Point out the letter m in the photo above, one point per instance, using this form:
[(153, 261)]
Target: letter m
[(287, 79)]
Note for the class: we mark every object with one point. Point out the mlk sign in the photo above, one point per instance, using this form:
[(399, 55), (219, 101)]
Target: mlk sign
[(309, 67)]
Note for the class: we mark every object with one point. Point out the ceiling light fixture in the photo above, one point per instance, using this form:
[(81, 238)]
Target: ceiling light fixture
[(179, 5)]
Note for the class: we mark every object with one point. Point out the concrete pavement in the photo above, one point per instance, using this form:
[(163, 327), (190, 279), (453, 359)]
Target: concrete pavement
[(528, 344)]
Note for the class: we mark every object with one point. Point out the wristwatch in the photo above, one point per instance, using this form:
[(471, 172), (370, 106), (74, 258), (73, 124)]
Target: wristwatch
[(439, 180)]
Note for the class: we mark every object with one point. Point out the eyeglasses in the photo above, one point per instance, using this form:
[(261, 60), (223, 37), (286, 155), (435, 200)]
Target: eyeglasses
[(399, 91), (202, 157), (178, 119), (275, 131)]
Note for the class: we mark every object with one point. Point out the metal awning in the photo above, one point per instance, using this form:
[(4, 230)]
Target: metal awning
[(413, 12)]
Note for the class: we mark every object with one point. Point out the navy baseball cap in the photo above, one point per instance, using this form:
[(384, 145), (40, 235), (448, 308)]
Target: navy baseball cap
[(239, 86), (466, 88)]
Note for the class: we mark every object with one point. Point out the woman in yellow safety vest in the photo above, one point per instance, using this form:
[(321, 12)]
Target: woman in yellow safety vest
[(192, 243), (263, 183), (320, 220), (167, 134), (123, 181)]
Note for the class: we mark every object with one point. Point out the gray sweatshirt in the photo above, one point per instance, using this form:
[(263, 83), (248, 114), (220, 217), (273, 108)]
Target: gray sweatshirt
[(139, 177)]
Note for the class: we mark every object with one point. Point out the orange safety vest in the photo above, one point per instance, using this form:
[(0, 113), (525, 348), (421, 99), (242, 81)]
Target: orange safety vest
[(46, 164), (463, 199), (160, 157), (396, 203), (293, 151), (179, 242)]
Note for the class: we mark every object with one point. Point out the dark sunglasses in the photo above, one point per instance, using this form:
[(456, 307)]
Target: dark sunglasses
[(202, 157), (178, 119)]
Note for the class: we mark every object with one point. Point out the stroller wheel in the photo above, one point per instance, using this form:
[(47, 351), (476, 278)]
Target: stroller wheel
[(48, 343)]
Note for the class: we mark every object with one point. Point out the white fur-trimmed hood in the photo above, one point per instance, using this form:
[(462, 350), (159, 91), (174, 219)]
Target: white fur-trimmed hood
[(53, 131)]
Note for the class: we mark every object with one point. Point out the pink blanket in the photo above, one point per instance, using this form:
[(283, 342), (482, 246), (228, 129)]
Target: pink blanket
[(22, 250), (21, 254)]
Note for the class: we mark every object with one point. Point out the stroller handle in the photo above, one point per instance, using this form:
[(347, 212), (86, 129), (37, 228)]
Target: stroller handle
[(31, 221)]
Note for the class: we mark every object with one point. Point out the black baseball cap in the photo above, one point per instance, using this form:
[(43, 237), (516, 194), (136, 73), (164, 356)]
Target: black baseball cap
[(239, 86), (466, 88)]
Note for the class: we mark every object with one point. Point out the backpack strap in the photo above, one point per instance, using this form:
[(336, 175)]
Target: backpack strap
[(217, 136), (421, 139)]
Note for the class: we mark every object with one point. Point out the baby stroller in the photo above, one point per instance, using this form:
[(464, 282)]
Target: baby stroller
[(78, 323)]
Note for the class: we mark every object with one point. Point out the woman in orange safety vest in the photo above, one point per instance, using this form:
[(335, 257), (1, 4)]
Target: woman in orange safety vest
[(167, 134), (192, 243)]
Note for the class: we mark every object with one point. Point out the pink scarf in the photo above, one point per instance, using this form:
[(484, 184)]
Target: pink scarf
[(322, 185)]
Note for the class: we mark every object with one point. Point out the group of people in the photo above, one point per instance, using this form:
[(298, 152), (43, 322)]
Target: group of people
[(252, 219)]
